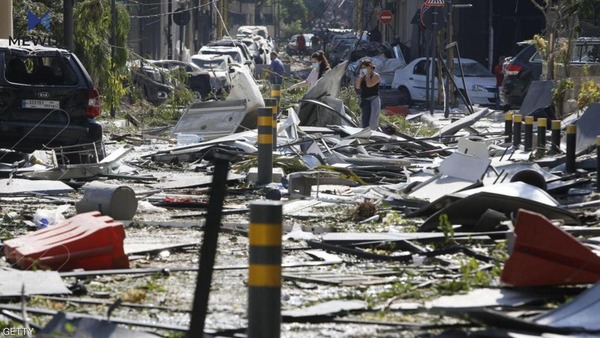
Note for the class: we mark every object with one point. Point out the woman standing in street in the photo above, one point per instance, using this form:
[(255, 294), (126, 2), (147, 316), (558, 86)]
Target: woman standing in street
[(370, 103), (319, 65)]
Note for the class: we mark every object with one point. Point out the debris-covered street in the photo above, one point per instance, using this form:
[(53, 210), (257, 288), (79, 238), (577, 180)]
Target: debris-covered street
[(325, 169)]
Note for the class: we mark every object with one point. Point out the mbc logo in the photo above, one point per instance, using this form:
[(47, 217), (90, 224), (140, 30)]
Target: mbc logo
[(33, 20)]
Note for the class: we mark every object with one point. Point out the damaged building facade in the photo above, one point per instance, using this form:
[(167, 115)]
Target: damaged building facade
[(154, 35)]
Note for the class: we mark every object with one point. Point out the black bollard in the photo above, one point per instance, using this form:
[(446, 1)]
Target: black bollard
[(528, 133), (571, 139), (555, 147), (517, 119), (508, 121), (541, 133)]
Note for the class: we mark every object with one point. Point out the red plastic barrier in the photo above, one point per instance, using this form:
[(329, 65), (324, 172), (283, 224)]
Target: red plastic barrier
[(396, 110), (87, 241), (544, 254)]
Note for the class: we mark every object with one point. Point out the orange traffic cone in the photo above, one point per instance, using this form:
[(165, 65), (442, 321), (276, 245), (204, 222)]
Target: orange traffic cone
[(87, 241), (544, 254)]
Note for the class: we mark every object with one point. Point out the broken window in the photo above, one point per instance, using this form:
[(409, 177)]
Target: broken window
[(586, 53), (39, 70), (420, 68)]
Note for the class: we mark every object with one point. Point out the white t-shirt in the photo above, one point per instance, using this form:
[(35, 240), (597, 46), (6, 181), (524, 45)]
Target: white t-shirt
[(313, 77)]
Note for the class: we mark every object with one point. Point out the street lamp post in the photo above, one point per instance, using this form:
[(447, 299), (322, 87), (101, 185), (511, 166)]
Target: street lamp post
[(450, 98), (68, 24), (113, 42)]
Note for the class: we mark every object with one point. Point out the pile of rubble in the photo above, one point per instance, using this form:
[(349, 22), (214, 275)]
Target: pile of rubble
[(477, 230)]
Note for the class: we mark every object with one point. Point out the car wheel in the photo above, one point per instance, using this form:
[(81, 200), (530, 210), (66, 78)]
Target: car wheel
[(404, 96)]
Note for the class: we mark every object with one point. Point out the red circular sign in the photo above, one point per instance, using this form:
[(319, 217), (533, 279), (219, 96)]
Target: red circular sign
[(385, 17)]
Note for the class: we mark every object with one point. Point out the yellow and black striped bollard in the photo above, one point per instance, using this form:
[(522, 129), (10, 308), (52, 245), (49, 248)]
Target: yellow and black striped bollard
[(571, 144), (276, 94), (265, 145), (272, 103), (264, 275), (555, 146)]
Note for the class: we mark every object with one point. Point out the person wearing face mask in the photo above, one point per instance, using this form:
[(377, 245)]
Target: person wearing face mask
[(370, 103), (319, 65)]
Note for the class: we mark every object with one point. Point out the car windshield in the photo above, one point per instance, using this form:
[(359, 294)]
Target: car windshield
[(234, 54), (210, 64), (39, 70), (472, 69), (176, 65)]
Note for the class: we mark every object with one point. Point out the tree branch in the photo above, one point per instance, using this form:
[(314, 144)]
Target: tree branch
[(539, 7)]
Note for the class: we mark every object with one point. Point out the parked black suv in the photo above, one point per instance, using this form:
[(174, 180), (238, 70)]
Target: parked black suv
[(523, 69), (47, 100), (526, 67)]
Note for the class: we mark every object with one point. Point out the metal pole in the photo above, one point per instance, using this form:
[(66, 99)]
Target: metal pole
[(541, 132), (597, 163), (169, 33), (571, 139), (113, 42), (451, 88), (209, 245), (68, 24), (265, 146), (113, 29), (181, 43), (508, 124), (433, 61), (490, 35), (517, 119), (264, 273), (272, 103), (528, 133)]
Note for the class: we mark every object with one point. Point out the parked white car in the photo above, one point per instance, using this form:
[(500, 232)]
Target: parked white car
[(234, 52), (217, 67), (411, 81)]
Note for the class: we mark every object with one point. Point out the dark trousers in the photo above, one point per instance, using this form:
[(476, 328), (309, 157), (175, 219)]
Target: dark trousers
[(365, 108)]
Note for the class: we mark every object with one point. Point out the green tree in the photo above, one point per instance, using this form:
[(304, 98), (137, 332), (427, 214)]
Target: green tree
[(92, 20), (92, 36), (293, 10), (562, 21), (293, 28), (38, 7)]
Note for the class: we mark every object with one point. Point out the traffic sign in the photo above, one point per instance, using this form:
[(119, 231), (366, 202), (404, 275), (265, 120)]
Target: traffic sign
[(385, 17), (181, 17)]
